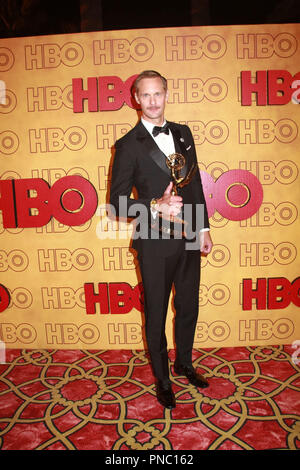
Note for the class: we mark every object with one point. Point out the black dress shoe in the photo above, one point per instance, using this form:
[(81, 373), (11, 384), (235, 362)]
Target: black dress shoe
[(165, 395), (192, 376)]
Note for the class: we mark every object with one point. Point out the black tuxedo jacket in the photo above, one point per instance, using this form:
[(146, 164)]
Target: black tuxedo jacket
[(140, 164)]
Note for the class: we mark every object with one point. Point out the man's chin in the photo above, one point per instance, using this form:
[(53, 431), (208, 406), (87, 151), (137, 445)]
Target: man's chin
[(153, 116)]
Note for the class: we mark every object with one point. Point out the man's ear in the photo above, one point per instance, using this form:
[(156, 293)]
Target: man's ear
[(136, 98)]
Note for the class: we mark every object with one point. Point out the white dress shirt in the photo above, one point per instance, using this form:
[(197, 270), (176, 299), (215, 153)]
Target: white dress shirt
[(164, 141)]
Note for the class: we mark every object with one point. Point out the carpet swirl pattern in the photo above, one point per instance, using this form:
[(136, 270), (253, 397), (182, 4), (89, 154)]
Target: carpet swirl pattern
[(74, 399)]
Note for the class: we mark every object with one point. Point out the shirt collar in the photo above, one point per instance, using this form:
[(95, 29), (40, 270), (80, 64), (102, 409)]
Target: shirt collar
[(149, 126)]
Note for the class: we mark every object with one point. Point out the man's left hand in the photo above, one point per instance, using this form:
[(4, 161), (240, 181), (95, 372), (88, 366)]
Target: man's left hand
[(206, 243)]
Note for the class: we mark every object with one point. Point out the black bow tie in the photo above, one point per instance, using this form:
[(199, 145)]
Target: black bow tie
[(157, 130)]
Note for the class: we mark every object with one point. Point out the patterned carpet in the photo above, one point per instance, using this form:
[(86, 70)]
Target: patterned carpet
[(73, 399)]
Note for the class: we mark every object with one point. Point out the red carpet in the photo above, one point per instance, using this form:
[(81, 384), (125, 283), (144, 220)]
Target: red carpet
[(106, 400)]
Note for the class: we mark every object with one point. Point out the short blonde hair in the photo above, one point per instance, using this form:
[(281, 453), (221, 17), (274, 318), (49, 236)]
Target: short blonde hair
[(149, 74)]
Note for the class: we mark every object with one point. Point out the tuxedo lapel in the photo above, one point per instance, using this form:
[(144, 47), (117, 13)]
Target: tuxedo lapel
[(150, 148), (178, 141), (179, 146)]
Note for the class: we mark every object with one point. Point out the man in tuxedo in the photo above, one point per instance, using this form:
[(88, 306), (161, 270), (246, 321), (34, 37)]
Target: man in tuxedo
[(165, 259)]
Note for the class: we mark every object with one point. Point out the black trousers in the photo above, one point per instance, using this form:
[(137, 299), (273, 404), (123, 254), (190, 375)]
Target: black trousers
[(159, 273)]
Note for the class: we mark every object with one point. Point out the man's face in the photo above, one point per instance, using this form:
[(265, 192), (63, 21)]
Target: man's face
[(152, 97)]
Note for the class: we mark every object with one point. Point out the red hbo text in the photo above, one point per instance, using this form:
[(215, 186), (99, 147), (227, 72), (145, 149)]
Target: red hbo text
[(236, 194), (72, 200), (114, 298), (273, 293), (4, 298), (271, 87), (103, 93)]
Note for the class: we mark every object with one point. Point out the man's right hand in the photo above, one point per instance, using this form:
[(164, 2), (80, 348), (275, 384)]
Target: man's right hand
[(169, 204)]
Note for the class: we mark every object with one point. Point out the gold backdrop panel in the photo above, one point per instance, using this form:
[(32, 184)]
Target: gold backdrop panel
[(237, 89)]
